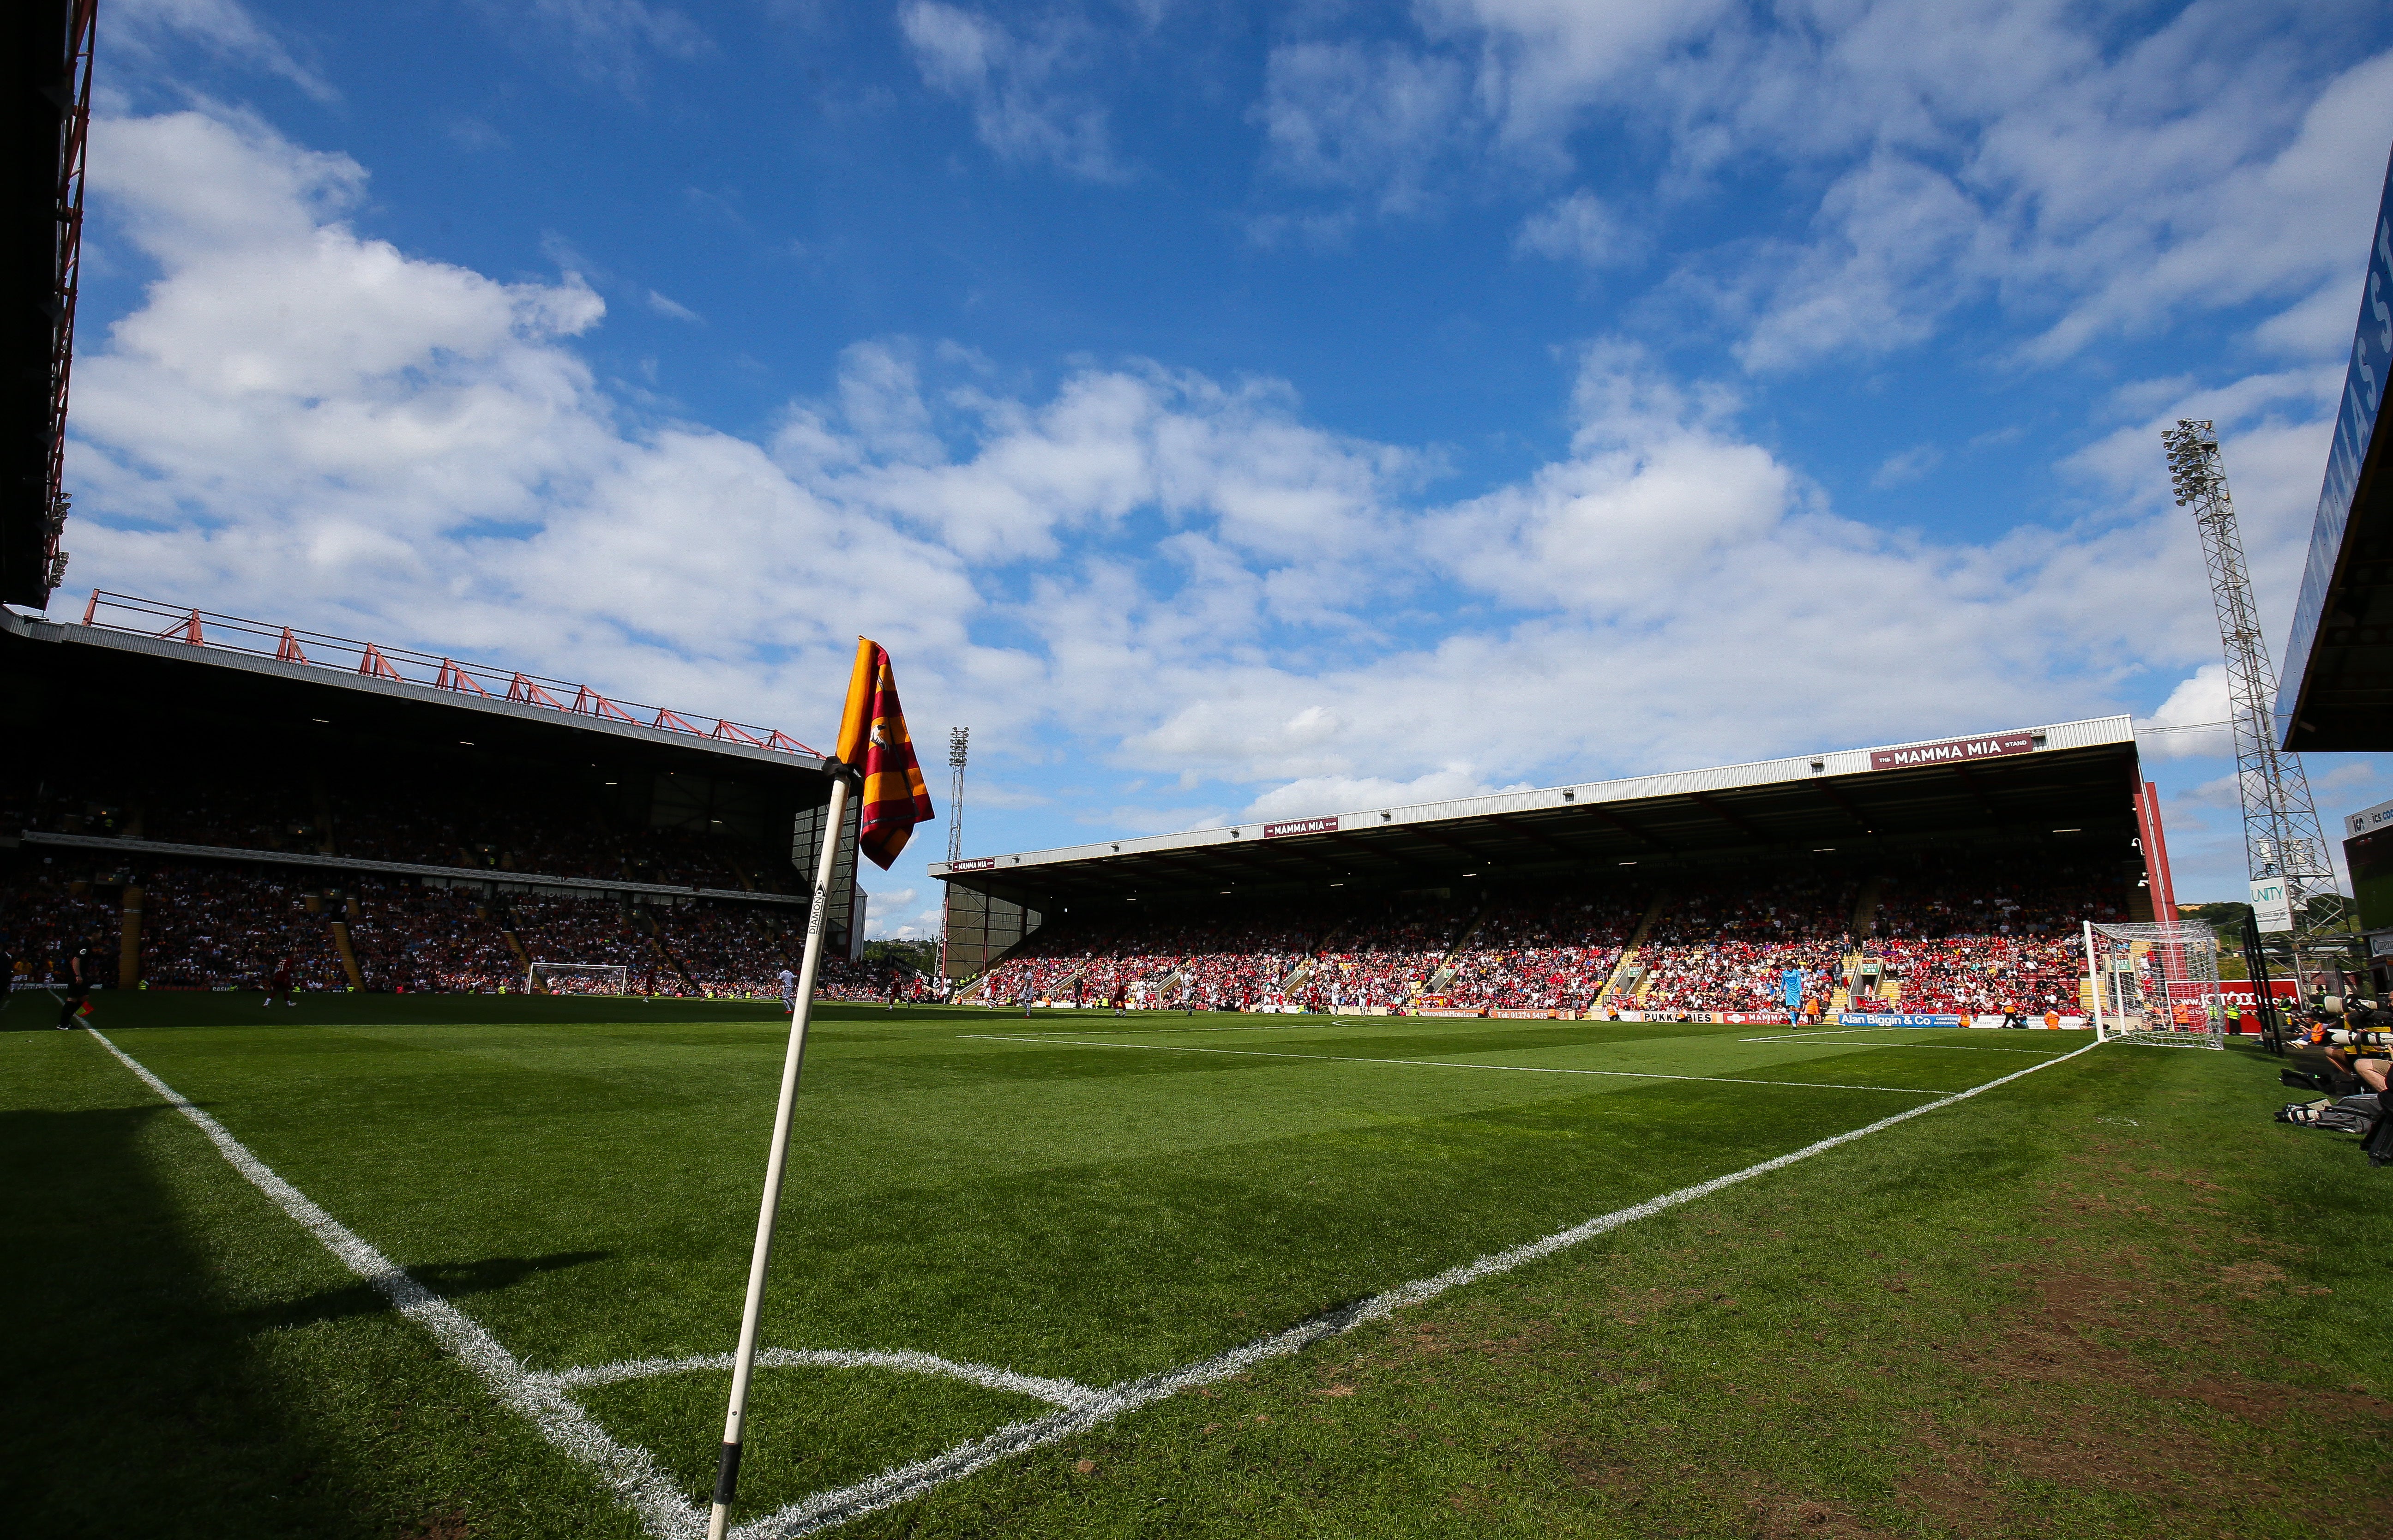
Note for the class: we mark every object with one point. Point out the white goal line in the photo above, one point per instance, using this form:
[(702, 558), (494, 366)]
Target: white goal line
[(1449, 1063), (631, 1473)]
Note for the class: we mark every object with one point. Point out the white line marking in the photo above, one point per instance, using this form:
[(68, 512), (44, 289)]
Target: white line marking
[(631, 1473), (1055, 1392), (825, 1509), (1938, 1047), (1447, 1063)]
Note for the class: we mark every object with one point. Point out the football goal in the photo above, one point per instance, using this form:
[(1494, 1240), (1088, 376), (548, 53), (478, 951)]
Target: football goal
[(578, 978), (2156, 984)]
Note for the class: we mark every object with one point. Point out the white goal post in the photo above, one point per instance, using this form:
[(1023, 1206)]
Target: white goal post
[(578, 978), (2156, 984)]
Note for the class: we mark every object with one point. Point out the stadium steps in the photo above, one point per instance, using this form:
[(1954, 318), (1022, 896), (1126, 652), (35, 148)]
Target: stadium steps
[(514, 944), (1440, 976), (656, 935), (1621, 969), (1866, 909), (1313, 959), (340, 929)]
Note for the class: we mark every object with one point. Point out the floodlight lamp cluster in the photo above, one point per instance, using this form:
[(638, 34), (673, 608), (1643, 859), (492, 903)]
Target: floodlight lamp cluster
[(2194, 460)]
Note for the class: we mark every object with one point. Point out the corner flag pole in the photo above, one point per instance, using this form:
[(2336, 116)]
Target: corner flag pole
[(726, 1474)]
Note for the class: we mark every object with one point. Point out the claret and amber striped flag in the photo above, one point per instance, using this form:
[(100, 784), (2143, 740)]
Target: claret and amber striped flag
[(873, 739)]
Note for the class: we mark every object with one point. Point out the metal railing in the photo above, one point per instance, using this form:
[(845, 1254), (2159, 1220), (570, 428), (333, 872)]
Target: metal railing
[(203, 628)]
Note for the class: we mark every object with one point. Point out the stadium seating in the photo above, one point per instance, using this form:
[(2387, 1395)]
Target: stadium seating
[(428, 826), (1550, 953), (1727, 946), (1976, 935), (1983, 937)]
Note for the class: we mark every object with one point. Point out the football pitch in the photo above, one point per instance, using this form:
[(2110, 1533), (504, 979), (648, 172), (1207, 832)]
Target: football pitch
[(471, 1266)]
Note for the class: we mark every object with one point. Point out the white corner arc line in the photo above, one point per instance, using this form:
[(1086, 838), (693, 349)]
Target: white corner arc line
[(1055, 1392), (1448, 1064), (826, 1509), (632, 1474)]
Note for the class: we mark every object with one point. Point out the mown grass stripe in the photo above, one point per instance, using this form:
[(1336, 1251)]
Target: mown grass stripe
[(1447, 1063)]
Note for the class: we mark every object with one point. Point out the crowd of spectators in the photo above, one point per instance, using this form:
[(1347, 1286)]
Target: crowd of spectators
[(1388, 954), (1987, 936), (1727, 947), (45, 916), (1552, 952), (424, 940), (1976, 936)]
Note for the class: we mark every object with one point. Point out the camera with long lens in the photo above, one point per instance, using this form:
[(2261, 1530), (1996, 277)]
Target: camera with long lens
[(2342, 1102), (2319, 1035)]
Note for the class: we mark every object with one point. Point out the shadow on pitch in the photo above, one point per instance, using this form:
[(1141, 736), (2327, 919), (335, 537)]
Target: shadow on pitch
[(451, 1281)]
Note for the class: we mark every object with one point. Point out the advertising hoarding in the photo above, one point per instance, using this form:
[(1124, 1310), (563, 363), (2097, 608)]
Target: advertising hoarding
[(1952, 751), (2270, 907)]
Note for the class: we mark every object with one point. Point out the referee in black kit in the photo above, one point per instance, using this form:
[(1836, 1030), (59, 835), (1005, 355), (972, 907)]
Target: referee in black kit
[(79, 966)]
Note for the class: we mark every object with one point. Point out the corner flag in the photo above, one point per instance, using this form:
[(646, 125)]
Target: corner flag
[(873, 740)]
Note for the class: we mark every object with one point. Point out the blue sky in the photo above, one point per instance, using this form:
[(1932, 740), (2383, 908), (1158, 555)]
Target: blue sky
[(1242, 411)]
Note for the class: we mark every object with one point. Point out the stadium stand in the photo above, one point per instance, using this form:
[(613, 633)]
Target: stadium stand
[(385, 827), (1981, 933)]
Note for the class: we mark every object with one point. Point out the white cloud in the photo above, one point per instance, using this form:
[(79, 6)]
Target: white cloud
[(2193, 721), (673, 309), (1577, 228), (225, 28), (1143, 570), (1318, 794), (1016, 84), (2344, 777), (2090, 177), (608, 42), (1907, 466), (1362, 118)]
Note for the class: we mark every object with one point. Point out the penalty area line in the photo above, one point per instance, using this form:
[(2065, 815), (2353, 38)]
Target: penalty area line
[(1450, 1063), (630, 1473), (826, 1510)]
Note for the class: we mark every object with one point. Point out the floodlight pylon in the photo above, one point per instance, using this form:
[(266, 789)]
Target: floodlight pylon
[(959, 745), (2281, 835)]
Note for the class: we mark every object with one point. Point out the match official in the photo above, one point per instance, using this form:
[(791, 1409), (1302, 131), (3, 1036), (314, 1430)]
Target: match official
[(79, 963)]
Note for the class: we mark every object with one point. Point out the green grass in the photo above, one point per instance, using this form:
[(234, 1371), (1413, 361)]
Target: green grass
[(2112, 1299)]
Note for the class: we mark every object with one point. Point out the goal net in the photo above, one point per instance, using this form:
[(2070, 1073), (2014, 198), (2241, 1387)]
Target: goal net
[(2156, 984), (578, 978)]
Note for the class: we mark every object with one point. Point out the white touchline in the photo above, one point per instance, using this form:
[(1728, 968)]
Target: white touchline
[(821, 1511), (631, 1473), (1447, 1063)]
